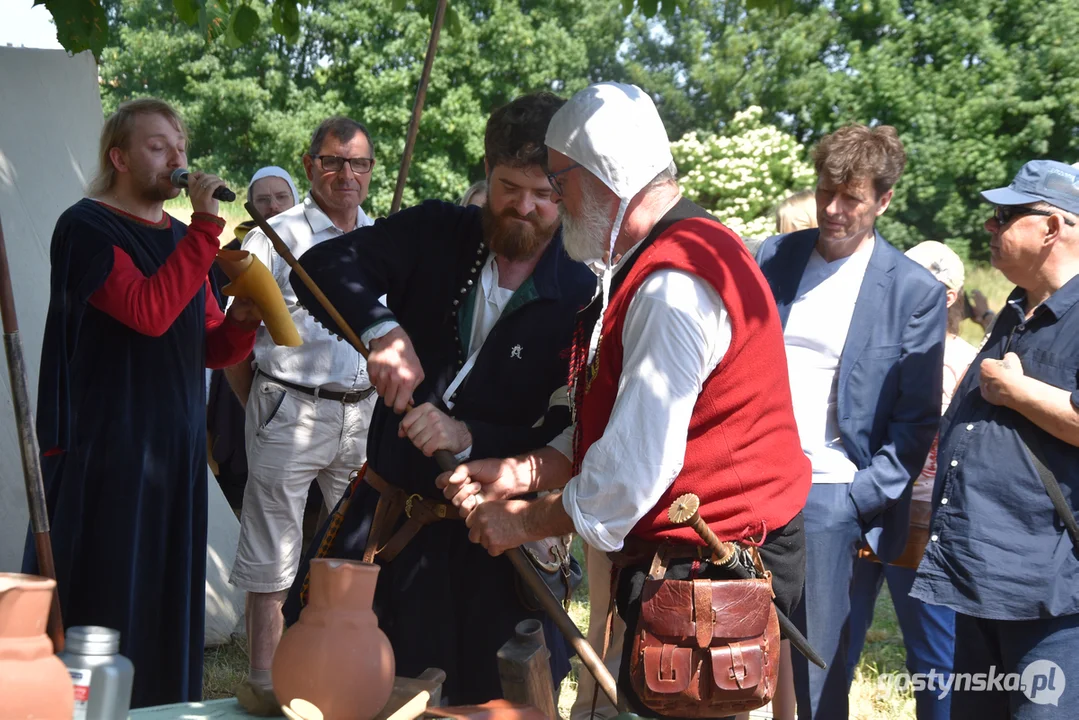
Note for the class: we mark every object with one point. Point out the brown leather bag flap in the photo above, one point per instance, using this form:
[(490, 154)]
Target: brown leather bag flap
[(667, 609), (667, 669), (741, 609), (738, 665)]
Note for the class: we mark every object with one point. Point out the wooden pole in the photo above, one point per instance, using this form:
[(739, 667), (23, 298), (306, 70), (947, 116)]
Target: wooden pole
[(445, 459), (28, 445), (417, 106)]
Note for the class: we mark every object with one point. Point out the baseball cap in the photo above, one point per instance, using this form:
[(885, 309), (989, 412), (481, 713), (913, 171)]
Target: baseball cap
[(941, 260), (1040, 181)]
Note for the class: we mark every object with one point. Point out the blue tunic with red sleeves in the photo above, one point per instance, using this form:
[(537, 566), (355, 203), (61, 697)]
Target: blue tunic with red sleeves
[(122, 420)]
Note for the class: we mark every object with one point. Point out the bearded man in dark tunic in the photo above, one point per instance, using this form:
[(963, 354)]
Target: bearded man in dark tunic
[(476, 334), (131, 328)]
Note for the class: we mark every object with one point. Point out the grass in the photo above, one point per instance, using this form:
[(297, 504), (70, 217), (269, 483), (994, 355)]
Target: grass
[(233, 213), (996, 289)]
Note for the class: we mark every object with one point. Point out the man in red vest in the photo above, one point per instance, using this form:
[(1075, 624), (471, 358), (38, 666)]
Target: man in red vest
[(678, 375)]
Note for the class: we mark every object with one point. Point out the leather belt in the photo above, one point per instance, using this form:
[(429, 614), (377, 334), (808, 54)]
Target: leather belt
[(392, 503), (347, 397)]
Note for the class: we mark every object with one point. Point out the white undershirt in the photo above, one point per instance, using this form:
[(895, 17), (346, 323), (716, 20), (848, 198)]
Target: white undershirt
[(814, 337), (675, 333)]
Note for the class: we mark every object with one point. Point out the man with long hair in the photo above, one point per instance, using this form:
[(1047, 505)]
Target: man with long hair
[(132, 327)]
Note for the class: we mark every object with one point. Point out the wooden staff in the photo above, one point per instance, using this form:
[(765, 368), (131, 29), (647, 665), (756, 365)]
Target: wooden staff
[(445, 459), (28, 446), (686, 511), (417, 106)]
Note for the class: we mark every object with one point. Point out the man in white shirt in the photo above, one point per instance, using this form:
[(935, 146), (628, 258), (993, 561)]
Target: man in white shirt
[(864, 337), (308, 407), (681, 388)]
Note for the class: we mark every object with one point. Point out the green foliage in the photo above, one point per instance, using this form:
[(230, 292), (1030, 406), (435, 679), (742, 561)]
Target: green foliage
[(742, 174), (974, 87), (80, 24), (258, 103)]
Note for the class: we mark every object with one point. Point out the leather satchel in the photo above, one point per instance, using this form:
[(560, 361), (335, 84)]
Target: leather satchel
[(705, 648)]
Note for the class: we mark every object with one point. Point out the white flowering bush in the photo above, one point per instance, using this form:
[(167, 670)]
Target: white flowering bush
[(741, 175)]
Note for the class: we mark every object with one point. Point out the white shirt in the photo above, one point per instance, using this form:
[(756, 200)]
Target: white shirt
[(814, 337), (675, 333), (322, 360)]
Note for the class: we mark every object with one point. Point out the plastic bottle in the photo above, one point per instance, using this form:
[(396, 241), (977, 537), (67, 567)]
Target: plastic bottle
[(101, 675)]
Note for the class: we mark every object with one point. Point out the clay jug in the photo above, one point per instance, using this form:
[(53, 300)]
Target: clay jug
[(335, 657), (33, 682)]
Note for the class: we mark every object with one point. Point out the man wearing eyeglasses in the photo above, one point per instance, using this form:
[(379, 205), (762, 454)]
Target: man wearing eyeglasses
[(1003, 548), (309, 407)]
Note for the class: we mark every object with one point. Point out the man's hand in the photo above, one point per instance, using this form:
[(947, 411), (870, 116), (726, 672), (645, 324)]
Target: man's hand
[(499, 525), (484, 480), (1000, 379), (430, 429), (244, 313), (200, 188), (394, 369)]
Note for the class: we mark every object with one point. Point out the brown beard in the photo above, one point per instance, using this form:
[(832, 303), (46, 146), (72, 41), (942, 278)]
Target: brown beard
[(516, 242)]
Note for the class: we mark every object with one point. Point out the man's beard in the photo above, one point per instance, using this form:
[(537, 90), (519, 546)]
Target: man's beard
[(516, 240), (158, 188), (587, 237)]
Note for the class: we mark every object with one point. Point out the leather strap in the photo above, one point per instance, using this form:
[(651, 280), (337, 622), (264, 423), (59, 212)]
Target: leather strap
[(703, 615), (392, 502), (1052, 487), (347, 397)]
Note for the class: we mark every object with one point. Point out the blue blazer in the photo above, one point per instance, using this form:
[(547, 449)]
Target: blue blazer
[(890, 376)]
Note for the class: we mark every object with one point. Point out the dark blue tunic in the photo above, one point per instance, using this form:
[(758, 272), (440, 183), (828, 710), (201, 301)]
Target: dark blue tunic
[(127, 491), (443, 601)]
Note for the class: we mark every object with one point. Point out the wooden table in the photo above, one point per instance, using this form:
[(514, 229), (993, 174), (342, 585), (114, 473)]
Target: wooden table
[(404, 690)]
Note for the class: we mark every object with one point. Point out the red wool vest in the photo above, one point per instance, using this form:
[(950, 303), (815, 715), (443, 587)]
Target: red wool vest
[(743, 456)]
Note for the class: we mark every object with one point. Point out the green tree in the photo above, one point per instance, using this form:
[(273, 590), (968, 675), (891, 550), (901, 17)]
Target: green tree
[(740, 176), (258, 103), (974, 87)]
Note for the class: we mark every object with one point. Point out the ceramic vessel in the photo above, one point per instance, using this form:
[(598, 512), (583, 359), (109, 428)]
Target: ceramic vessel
[(335, 657), (33, 682)]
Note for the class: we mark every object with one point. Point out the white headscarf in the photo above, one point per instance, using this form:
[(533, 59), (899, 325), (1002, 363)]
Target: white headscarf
[(614, 131), (274, 171)]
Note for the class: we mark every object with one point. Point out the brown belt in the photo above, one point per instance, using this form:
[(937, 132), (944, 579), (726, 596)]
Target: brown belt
[(641, 552), (392, 503)]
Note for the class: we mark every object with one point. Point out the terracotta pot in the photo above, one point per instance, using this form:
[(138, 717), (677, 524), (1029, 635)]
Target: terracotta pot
[(335, 656), (33, 682)]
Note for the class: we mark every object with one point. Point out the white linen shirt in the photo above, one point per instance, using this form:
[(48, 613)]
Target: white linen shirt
[(322, 360), (675, 333), (814, 337)]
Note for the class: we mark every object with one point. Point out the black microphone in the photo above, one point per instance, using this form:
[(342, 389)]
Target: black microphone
[(179, 179)]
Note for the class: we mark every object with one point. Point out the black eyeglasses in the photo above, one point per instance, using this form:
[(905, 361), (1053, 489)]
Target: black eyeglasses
[(556, 185), (333, 163), (1004, 214)]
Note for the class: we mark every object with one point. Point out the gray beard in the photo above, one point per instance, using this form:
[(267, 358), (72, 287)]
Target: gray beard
[(587, 237)]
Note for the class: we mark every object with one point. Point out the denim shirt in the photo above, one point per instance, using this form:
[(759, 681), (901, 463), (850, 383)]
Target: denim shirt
[(997, 548)]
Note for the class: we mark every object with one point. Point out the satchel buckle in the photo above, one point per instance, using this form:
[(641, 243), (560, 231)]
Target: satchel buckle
[(408, 504)]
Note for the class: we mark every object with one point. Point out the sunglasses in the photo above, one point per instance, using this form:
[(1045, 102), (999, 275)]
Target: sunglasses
[(1004, 214)]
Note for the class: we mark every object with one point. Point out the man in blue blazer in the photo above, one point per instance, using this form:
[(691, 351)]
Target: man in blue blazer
[(864, 331)]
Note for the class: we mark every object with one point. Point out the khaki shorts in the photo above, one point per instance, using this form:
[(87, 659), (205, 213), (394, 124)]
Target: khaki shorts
[(292, 439)]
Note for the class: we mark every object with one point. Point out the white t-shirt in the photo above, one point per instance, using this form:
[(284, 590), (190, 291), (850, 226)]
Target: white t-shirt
[(814, 337)]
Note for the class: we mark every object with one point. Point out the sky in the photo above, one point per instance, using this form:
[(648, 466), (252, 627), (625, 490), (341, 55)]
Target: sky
[(26, 25)]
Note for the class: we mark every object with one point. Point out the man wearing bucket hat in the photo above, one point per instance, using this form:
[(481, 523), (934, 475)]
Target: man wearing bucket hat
[(679, 380), (928, 630), (1003, 548)]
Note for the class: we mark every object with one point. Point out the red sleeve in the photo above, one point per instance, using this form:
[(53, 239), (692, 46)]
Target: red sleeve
[(150, 305), (226, 343)]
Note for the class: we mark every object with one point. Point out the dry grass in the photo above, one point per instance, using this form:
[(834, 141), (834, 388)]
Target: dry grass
[(233, 213), (996, 289)]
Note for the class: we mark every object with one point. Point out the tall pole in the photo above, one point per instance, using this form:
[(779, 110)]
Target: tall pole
[(28, 447), (417, 106)]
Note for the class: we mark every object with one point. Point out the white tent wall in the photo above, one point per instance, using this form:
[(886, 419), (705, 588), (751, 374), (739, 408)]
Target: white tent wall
[(50, 120)]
